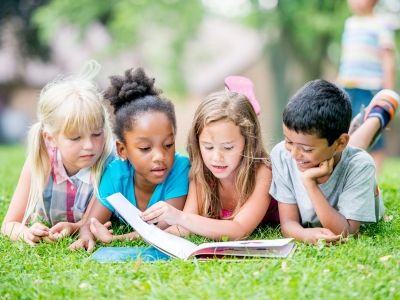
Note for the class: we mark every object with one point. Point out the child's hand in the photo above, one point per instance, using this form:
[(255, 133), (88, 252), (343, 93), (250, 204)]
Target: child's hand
[(101, 231), (84, 242), (325, 168), (62, 229), (36, 233), (313, 235), (161, 211)]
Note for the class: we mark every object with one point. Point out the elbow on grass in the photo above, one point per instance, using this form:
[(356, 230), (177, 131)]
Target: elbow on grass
[(240, 234)]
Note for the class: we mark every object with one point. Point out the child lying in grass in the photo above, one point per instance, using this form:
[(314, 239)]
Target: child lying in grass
[(67, 149), (324, 182)]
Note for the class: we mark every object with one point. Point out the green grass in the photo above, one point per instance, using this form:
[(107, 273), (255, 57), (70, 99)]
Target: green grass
[(364, 268)]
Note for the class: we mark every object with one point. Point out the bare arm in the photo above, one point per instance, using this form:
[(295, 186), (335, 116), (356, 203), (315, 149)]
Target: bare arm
[(86, 239), (243, 224), (12, 224), (329, 217), (177, 203), (189, 208), (291, 227), (290, 221)]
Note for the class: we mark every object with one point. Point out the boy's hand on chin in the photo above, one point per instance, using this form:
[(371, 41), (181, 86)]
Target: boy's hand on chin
[(325, 168)]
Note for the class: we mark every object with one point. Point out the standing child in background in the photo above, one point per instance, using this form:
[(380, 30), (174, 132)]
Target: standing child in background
[(149, 171), (230, 174), (324, 182), (67, 149), (367, 63)]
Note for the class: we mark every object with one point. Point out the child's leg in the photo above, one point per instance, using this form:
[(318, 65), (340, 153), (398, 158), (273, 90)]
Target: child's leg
[(369, 123), (363, 136)]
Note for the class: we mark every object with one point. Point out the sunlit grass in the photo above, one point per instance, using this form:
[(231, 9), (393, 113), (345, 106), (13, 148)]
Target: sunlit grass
[(362, 268)]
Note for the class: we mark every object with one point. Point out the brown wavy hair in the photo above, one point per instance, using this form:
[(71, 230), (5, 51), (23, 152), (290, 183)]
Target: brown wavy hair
[(231, 106)]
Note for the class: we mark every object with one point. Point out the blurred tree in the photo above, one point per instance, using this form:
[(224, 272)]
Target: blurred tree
[(299, 34), (300, 37), (20, 13), (20, 36), (130, 22)]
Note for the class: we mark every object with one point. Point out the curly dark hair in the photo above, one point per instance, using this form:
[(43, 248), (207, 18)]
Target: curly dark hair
[(132, 95)]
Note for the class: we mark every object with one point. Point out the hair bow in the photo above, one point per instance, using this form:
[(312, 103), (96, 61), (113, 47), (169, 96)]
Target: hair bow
[(244, 86)]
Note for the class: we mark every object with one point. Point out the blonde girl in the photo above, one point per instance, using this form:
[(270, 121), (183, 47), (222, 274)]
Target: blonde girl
[(230, 173), (67, 149)]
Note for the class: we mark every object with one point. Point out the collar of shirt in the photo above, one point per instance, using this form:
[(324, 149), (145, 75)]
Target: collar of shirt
[(60, 174)]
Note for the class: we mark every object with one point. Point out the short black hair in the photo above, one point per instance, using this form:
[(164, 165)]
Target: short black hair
[(135, 94), (319, 108)]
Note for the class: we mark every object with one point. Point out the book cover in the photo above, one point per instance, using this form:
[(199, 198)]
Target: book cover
[(178, 247), (122, 254)]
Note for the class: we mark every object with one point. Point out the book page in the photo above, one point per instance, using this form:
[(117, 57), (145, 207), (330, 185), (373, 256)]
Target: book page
[(166, 242), (273, 252), (247, 244)]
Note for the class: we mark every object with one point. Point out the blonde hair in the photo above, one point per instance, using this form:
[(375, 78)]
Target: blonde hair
[(66, 105), (231, 106)]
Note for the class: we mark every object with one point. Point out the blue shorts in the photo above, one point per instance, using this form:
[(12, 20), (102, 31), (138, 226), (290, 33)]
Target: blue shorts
[(363, 97)]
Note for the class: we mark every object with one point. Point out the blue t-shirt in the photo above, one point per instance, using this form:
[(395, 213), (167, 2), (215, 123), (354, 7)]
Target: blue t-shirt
[(119, 177)]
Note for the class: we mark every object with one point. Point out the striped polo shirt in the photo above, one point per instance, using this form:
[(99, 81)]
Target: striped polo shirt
[(363, 41)]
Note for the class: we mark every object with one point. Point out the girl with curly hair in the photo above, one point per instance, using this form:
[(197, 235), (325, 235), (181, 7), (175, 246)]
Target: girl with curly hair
[(149, 170)]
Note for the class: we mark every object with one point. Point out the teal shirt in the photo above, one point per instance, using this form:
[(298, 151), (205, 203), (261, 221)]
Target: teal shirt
[(119, 177)]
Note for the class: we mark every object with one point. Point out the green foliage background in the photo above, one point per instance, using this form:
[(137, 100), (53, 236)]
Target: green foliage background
[(128, 22), (301, 38), (304, 33)]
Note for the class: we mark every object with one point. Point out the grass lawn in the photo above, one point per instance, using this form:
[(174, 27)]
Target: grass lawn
[(364, 268)]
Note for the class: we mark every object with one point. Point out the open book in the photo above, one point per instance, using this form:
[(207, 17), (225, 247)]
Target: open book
[(181, 248)]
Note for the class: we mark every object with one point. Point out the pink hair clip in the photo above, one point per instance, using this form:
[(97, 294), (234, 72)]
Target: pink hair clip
[(244, 86)]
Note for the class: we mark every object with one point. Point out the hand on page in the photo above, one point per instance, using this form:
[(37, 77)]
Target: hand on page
[(161, 211)]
